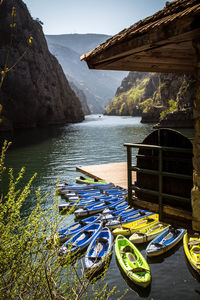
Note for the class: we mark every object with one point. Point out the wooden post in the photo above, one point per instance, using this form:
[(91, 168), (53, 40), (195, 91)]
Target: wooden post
[(129, 175), (196, 147)]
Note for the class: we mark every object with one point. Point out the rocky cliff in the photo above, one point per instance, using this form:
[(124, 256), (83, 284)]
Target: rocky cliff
[(99, 86), (81, 96), (35, 92), (165, 99)]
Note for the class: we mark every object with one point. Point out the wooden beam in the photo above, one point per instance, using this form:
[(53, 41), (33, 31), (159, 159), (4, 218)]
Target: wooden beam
[(166, 209), (147, 67), (144, 43)]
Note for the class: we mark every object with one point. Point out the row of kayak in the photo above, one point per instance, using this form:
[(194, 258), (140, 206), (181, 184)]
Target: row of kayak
[(129, 226)]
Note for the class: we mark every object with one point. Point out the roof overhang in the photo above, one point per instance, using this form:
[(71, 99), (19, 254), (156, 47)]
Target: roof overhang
[(163, 42)]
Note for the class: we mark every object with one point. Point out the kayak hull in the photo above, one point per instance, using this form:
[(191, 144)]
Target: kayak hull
[(99, 250), (148, 233), (132, 262), (129, 228), (191, 245), (164, 241)]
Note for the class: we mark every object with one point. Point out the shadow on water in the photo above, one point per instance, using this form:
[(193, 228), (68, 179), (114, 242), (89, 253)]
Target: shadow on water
[(192, 271), (140, 291), (160, 258), (31, 136), (98, 274)]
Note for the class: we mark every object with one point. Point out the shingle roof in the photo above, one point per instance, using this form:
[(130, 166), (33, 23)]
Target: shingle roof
[(172, 11)]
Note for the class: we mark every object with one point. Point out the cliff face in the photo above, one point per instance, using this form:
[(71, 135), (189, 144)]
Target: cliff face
[(98, 86), (166, 99), (36, 91), (81, 96)]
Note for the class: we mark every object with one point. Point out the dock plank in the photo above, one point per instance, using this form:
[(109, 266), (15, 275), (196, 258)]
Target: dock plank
[(115, 173)]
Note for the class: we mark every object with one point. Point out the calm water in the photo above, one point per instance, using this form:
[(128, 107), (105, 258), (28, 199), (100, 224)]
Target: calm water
[(54, 154)]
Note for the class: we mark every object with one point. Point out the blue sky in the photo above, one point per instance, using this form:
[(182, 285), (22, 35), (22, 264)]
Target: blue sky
[(91, 16)]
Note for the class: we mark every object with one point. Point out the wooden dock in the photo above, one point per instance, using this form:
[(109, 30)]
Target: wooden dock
[(113, 172)]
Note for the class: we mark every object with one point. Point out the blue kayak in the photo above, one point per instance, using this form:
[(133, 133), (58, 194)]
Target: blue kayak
[(79, 187), (74, 228), (165, 241), (94, 209), (99, 250), (123, 213), (92, 200), (123, 220), (116, 207), (82, 239)]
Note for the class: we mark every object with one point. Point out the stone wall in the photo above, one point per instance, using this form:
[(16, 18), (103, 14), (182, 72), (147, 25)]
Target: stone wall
[(196, 148)]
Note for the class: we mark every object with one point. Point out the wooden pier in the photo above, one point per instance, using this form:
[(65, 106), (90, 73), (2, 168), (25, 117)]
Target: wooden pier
[(115, 173)]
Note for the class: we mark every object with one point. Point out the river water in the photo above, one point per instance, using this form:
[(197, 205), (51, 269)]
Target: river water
[(55, 152)]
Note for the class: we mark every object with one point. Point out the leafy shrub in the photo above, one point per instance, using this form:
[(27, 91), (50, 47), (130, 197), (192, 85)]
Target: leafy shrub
[(146, 105), (29, 265), (172, 107)]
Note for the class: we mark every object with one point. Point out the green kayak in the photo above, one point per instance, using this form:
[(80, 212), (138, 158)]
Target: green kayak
[(132, 261), (85, 180)]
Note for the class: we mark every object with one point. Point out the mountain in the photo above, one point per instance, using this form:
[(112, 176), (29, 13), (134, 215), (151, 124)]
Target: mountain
[(98, 86), (35, 92), (81, 96), (166, 99)]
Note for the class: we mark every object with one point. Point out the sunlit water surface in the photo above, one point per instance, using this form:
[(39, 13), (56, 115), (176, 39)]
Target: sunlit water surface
[(55, 152)]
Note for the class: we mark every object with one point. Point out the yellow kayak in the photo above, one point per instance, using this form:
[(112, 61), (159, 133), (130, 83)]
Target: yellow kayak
[(129, 228), (191, 244), (148, 233)]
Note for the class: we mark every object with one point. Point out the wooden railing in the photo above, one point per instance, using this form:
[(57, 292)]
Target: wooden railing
[(159, 172)]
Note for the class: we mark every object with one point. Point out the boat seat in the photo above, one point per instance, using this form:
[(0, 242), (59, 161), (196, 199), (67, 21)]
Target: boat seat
[(81, 237), (95, 257), (125, 249), (138, 269), (140, 233), (82, 222), (193, 243), (100, 239), (168, 236), (157, 244), (131, 257)]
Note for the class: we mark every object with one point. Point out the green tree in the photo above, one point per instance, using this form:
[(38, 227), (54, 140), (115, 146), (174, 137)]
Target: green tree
[(30, 267)]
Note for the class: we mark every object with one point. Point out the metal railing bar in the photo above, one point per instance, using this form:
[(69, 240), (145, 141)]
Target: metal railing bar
[(156, 147), (165, 174), (156, 193)]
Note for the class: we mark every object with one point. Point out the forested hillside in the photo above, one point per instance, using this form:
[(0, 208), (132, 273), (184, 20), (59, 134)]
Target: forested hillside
[(159, 98)]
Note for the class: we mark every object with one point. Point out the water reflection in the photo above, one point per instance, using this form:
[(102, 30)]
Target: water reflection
[(140, 291)]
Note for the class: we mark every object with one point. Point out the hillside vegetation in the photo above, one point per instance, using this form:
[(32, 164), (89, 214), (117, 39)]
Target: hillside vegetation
[(165, 99)]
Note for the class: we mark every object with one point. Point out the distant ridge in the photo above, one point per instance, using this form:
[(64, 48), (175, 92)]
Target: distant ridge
[(98, 86)]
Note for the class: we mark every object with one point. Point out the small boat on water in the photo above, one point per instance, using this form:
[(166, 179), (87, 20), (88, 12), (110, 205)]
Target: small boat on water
[(95, 208), (86, 202), (81, 240), (83, 180), (76, 227), (191, 245), (99, 250), (123, 213), (165, 241), (132, 261), (148, 233), (128, 228), (114, 207), (120, 221)]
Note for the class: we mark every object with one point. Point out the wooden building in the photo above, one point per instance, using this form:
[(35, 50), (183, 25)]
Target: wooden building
[(167, 42)]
